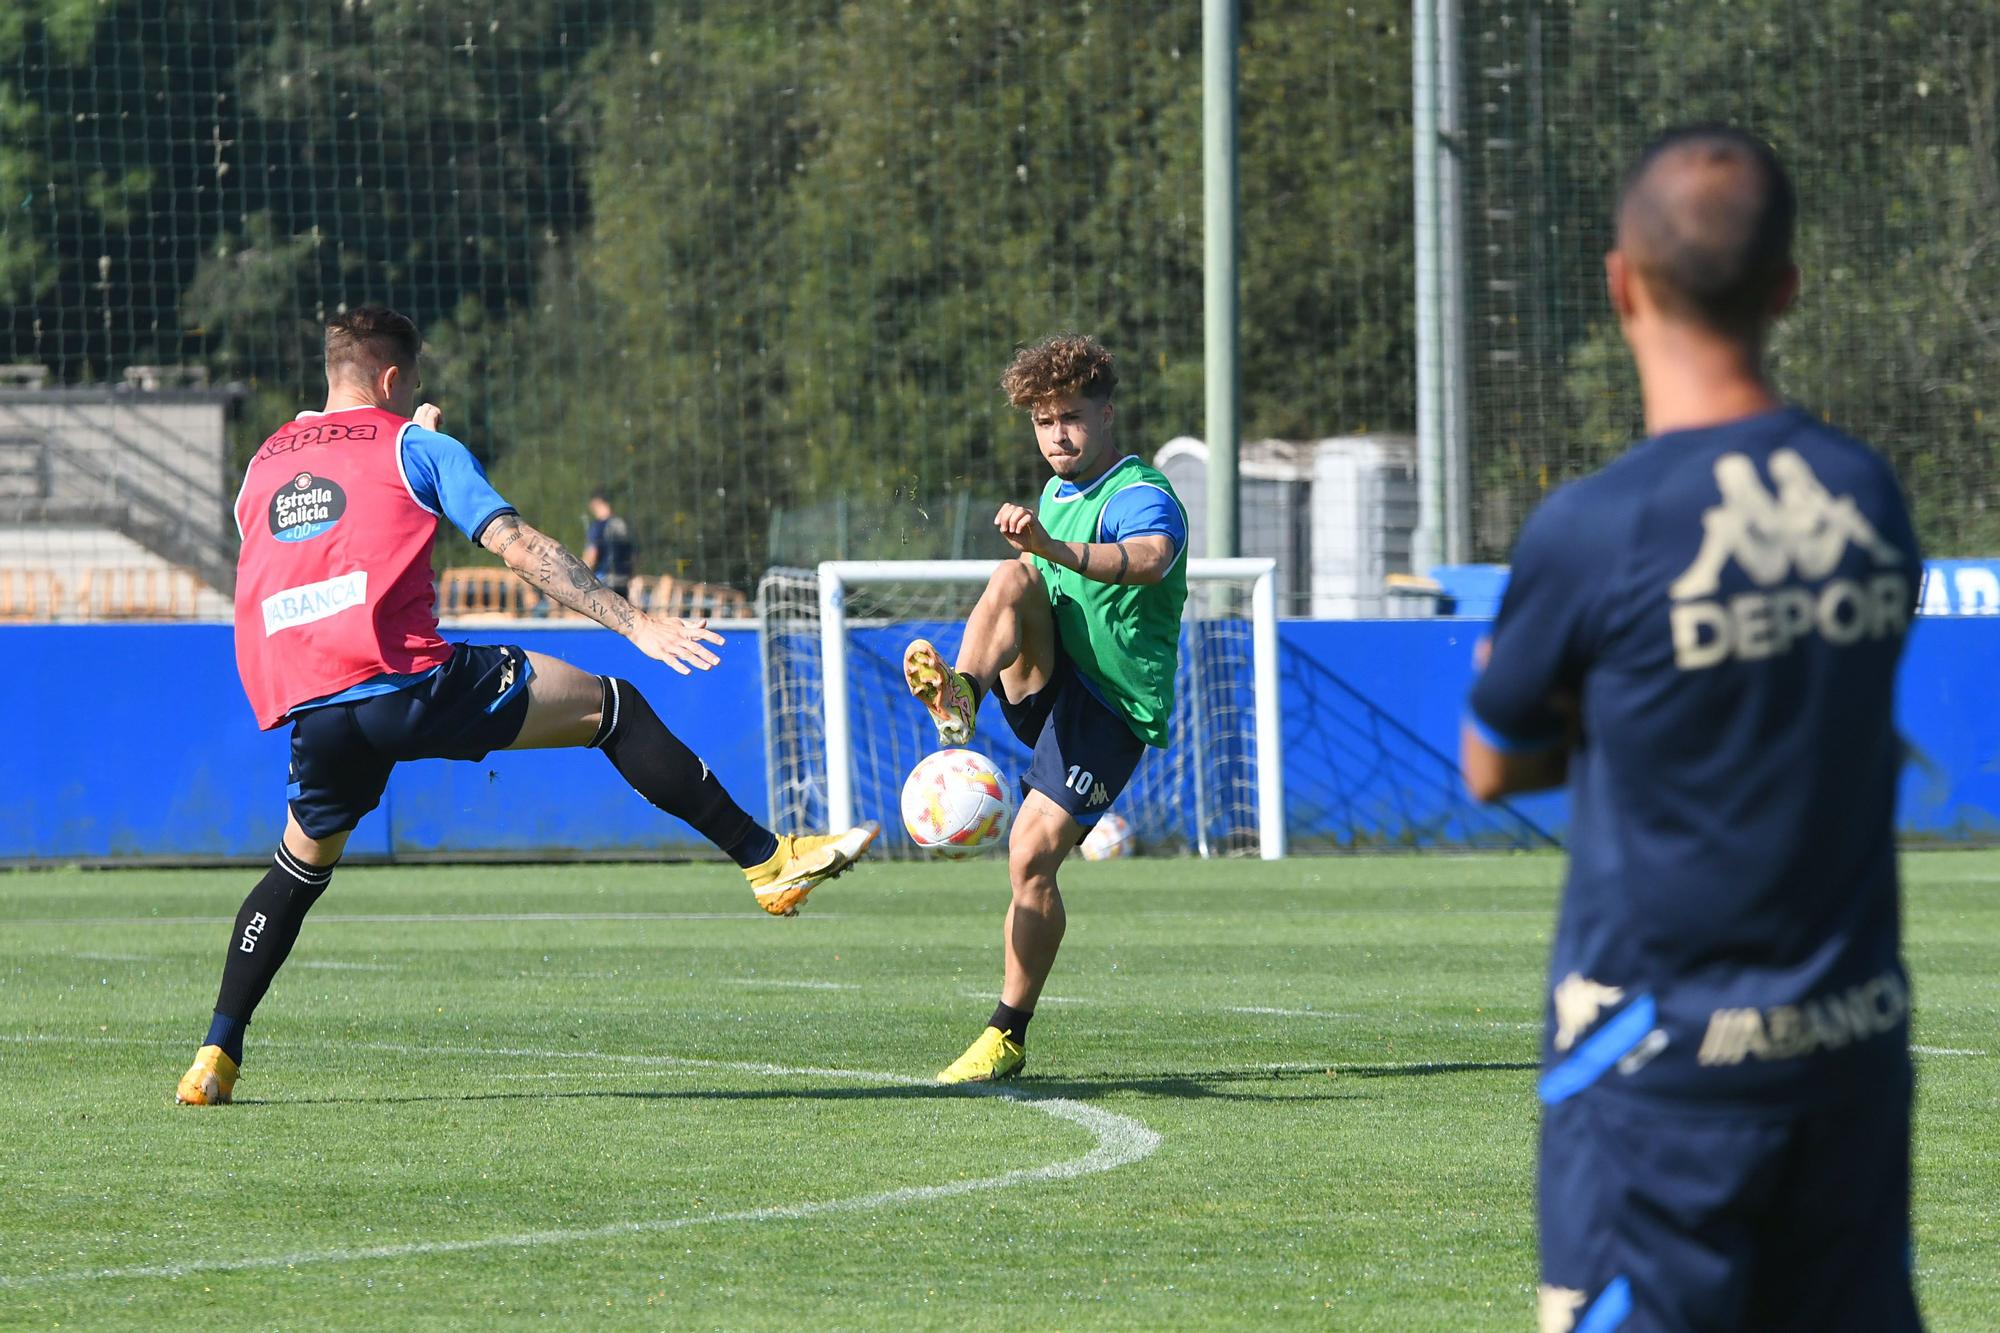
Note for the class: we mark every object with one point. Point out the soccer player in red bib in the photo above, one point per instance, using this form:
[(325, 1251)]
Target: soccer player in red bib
[(337, 635)]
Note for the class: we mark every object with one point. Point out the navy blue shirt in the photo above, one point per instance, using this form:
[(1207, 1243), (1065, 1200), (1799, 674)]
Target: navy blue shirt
[(1720, 614), (612, 540)]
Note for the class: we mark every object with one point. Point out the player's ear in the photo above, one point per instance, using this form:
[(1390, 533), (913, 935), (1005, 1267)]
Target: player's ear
[(1618, 284), (1786, 292), (1104, 417)]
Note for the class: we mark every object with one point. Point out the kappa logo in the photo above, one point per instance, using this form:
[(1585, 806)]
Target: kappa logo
[(1803, 527), (1099, 795), (1783, 541), (1556, 1308), (1579, 1001)]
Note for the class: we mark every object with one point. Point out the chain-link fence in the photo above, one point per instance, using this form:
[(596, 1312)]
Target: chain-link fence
[(754, 269), (1887, 116)]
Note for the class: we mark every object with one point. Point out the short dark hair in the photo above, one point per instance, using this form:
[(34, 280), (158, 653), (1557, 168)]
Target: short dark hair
[(1706, 216), (369, 339), (600, 495)]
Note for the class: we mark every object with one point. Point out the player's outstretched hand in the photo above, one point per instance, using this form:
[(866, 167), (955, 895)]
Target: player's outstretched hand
[(679, 643), (1023, 531), (430, 416)]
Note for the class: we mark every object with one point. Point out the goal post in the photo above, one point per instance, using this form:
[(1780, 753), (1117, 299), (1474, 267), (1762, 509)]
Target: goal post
[(833, 638)]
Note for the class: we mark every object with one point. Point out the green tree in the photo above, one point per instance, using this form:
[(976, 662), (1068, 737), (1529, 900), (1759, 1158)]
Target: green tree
[(802, 278), (1885, 115)]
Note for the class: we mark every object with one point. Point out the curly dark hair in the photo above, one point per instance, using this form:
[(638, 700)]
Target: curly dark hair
[(1056, 367)]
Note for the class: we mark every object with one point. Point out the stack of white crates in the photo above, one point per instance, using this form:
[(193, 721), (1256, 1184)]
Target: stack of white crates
[(1339, 515)]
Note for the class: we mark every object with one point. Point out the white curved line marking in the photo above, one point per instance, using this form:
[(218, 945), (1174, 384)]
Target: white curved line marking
[(418, 918), (1121, 1141)]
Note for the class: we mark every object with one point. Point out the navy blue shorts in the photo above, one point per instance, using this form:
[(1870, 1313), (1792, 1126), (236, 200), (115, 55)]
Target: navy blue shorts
[(1657, 1217), (1085, 752), (342, 753)]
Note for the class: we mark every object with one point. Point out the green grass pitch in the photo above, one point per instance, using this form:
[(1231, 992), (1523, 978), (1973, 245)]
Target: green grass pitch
[(617, 1096)]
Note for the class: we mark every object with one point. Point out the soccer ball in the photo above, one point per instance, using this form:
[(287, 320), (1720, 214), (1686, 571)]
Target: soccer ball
[(956, 803), (1110, 839)]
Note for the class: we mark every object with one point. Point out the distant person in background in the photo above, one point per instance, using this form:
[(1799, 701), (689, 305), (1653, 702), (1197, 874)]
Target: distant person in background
[(337, 635), (1703, 639), (607, 545)]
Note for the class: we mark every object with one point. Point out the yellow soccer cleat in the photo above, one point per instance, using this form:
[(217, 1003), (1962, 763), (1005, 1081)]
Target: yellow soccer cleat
[(993, 1056), (803, 862), (209, 1080), (943, 690)]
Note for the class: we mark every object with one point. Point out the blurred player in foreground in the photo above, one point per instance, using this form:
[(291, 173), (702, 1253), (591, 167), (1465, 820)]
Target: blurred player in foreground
[(1703, 637), (337, 634), (1080, 637)]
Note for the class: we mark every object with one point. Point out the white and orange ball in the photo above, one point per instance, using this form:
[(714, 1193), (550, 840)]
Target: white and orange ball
[(1111, 838), (956, 804)]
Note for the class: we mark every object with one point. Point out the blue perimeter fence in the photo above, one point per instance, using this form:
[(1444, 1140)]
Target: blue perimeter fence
[(134, 742)]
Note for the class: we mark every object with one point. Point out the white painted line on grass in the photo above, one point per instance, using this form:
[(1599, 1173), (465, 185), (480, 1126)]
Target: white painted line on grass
[(1121, 1141), (1289, 1013), (418, 918), (114, 957), (791, 985), (1944, 1050), (332, 966)]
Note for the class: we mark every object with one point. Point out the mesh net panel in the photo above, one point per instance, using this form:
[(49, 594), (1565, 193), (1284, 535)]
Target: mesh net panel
[(1886, 115), (1197, 795), (703, 255)]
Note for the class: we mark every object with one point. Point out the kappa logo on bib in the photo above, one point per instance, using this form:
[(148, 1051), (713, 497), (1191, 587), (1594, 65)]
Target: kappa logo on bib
[(305, 507)]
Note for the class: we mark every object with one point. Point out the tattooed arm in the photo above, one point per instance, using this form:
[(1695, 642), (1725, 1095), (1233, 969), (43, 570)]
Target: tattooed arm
[(545, 563)]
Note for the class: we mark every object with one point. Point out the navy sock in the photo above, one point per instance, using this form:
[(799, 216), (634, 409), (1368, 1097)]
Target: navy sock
[(267, 925), (1012, 1021), (662, 769), (227, 1033)]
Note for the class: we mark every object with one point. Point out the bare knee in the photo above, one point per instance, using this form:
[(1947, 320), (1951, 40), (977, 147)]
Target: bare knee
[(1032, 870), (1014, 582)]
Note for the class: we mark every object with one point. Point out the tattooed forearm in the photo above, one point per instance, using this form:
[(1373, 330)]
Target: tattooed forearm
[(503, 534), (549, 566), (567, 579)]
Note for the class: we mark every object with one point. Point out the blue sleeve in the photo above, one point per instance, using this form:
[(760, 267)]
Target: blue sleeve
[(446, 479), (1542, 639), (1139, 511)]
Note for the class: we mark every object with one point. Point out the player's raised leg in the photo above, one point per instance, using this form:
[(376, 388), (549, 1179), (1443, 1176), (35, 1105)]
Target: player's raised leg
[(569, 707), (1009, 640)]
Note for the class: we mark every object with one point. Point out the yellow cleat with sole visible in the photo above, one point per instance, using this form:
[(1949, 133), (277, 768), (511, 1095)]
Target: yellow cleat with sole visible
[(994, 1055), (209, 1081), (943, 690), (803, 862)]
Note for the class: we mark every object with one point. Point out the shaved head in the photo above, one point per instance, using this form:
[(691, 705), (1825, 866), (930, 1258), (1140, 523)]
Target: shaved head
[(1705, 220)]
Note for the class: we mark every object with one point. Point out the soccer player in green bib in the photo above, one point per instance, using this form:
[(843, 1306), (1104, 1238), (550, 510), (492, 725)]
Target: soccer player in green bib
[(1079, 638)]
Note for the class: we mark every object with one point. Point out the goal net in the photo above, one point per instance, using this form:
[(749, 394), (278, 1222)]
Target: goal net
[(842, 731)]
